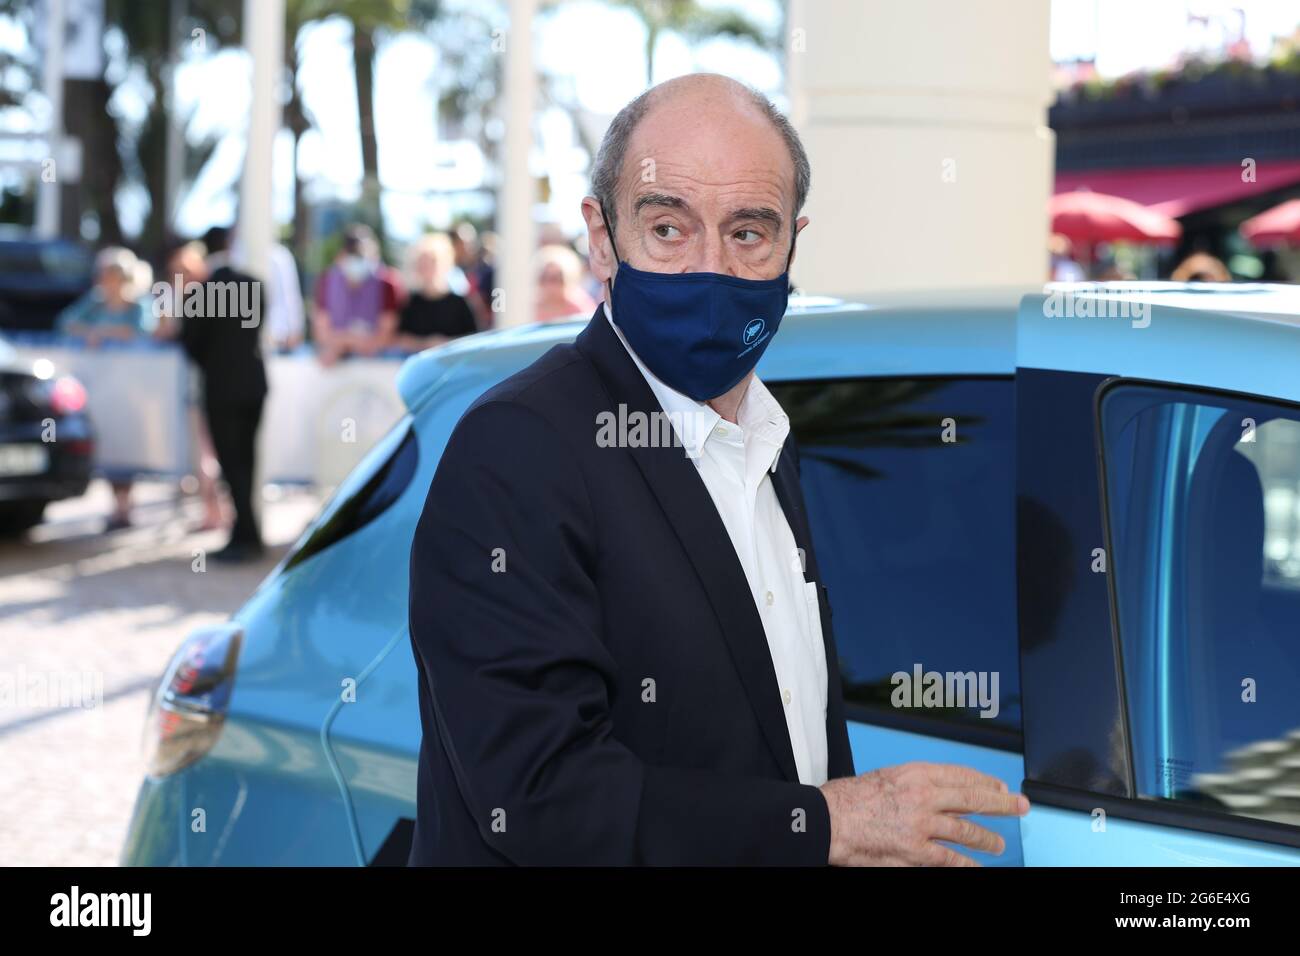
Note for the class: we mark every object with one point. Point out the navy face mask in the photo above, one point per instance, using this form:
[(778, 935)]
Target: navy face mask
[(699, 332)]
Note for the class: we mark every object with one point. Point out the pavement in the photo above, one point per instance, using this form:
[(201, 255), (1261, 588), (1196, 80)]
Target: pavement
[(88, 622)]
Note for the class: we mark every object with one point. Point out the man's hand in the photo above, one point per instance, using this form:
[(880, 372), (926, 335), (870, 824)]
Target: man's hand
[(896, 816)]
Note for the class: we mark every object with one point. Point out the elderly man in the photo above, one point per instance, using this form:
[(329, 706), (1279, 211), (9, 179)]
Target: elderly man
[(625, 655)]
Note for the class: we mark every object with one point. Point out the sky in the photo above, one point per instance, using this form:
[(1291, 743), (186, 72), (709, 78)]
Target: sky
[(1128, 35), (598, 50)]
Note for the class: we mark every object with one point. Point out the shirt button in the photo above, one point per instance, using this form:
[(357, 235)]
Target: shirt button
[(722, 429), (770, 598), (785, 696)]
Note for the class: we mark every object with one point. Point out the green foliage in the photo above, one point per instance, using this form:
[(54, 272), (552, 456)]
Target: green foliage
[(1194, 70)]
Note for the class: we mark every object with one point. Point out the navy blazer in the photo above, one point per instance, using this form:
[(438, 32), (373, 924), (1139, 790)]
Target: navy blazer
[(595, 684)]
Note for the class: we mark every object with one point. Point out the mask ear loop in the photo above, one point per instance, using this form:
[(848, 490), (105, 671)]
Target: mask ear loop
[(609, 229), (609, 299)]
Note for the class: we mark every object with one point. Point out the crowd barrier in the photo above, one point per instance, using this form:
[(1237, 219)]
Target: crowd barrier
[(316, 425)]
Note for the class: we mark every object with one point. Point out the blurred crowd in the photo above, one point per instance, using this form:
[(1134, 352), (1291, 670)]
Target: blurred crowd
[(359, 305)]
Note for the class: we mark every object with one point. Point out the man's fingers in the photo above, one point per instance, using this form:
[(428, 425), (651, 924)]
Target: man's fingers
[(935, 854), (953, 775), (977, 800), (967, 833)]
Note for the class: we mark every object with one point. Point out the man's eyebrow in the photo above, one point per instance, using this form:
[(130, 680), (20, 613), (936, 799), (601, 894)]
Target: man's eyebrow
[(760, 213), (659, 199)]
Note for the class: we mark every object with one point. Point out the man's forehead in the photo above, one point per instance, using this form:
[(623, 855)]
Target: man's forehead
[(717, 194), (709, 150)]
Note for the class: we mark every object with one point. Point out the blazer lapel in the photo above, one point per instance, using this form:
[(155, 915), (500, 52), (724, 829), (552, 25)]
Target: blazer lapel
[(691, 513)]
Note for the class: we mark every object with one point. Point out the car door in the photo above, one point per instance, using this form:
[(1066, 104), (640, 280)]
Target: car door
[(907, 468), (1158, 470)]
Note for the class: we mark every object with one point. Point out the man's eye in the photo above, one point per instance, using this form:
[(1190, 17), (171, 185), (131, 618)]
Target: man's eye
[(665, 231), (748, 236)]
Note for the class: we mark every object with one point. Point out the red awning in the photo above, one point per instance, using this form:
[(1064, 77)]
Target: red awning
[(1091, 217), (1178, 190), (1275, 226)]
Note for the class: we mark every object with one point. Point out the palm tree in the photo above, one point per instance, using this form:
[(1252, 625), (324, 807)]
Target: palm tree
[(370, 21), (694, 21)]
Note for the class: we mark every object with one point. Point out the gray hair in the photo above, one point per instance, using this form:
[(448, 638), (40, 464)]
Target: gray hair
[(137, 275), (120, 260), (608, 165)]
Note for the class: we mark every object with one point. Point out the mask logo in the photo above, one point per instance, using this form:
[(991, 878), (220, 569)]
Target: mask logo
[(753, 330)]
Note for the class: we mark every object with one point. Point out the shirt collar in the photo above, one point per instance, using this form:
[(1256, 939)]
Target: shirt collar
[(762, 418), (760, 415)]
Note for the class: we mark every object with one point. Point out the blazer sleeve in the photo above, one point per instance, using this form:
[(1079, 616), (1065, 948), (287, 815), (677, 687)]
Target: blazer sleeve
[(506, 617)]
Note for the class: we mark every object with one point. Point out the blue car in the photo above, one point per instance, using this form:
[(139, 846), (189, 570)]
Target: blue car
[(1080, 508)]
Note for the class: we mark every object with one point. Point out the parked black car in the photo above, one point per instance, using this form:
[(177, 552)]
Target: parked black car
[(46, 442)]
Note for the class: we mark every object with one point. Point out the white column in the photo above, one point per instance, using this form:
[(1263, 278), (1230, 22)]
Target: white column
[(926, 125), (175, 156), (264, 41), (48, 193), (516, 233)]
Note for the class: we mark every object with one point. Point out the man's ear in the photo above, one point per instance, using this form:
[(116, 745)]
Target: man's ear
[(600, 253)]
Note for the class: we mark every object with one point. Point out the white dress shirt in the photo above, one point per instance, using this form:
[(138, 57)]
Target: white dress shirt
[(736, 462)]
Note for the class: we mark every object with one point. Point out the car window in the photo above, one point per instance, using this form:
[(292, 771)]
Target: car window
[(1276, 456), (909, 485), (377, 481), (1201, 490)]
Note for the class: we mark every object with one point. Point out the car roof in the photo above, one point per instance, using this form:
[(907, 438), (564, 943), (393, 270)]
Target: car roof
[(935, 332), (1234, 301)]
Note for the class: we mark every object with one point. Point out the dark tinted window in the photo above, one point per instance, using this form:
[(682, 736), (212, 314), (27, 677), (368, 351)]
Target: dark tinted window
[(356, 505), (910, 492), (1202, 491)]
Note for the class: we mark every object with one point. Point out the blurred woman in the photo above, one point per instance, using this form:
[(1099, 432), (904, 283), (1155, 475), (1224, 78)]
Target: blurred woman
[(114, 310), (559, 285), (433, 314)]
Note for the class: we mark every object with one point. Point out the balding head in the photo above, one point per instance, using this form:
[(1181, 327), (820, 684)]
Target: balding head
[(712, 97), (699, 173)]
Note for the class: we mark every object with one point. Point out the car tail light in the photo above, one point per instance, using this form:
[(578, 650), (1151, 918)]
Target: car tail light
[(67, 395), (190, 705)]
